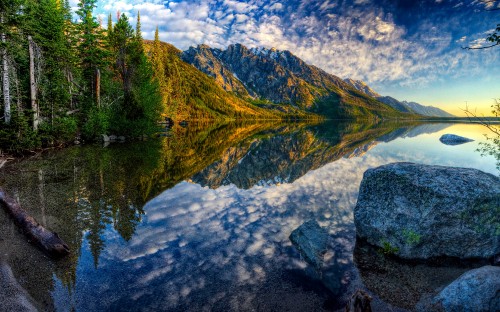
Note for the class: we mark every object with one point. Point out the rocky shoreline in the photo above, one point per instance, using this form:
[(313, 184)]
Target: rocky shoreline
[(428, 237)]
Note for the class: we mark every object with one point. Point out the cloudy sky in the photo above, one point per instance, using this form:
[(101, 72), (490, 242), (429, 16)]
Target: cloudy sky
[(407, 49)]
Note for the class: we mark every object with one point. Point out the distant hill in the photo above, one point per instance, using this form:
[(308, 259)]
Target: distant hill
[(402, 106), (427, 110), (269, 77)]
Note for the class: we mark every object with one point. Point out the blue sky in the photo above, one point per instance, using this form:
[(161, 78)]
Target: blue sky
[(407, 49)]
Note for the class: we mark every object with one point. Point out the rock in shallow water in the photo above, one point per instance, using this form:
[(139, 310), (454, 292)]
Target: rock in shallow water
[(452, 139), (312, 242), (475, 291), (403, 283), (420, 212)]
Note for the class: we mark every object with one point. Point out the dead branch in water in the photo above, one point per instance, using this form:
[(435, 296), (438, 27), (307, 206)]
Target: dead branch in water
[(48, 241)]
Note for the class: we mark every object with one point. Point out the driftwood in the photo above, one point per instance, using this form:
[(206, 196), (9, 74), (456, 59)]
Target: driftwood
[(359, 302), (48, 241)]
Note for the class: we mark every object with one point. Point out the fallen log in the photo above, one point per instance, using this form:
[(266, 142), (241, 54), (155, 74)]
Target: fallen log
[(48, 241)]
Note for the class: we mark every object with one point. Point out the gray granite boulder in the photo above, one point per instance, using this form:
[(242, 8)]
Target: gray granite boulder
[(453, 139), (312, 242), (420, 212), (475, 291)]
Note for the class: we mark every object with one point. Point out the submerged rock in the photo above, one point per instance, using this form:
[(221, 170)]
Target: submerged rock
[(452, 139), (475, 291), (403, 283), (359, 302), (420, 212), (312, 242)]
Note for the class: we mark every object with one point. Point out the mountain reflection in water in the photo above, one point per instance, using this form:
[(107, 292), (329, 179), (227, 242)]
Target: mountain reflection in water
[(200, 219)]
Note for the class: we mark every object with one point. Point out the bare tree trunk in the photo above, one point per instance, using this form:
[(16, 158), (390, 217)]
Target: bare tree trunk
[(33, 86), (98, 87), (5, 77)]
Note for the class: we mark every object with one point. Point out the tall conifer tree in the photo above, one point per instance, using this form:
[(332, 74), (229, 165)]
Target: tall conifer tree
[(91, 43), (158, 66)]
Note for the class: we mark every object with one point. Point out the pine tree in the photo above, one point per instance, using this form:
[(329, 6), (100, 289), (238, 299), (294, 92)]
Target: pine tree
[(90, 47), (157, 63), (109, 30), (138, 31), (140, 107), (121, 38), (51, 61)]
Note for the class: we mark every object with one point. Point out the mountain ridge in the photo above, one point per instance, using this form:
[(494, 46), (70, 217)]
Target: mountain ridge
[(271, 76), (403, 106)]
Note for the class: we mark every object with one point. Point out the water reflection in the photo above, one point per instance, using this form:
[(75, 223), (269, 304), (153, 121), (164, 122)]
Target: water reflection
[(200, 219)]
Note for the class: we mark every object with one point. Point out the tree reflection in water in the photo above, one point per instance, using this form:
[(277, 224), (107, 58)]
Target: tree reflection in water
[(87, 194)]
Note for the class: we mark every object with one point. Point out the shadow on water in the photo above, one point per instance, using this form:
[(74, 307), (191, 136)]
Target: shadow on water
[(95, 197)]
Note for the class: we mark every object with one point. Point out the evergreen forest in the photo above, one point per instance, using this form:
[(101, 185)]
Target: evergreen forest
[(66, 78)]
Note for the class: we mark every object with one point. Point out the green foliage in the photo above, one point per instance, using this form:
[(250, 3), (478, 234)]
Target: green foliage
[(96, 124), (388, 249), (91, 49), (18, 135), (492, 146), (355, 105), (106, 80), (140, 109), (60, 131), (495, 36), (411, 237), (48, 26)]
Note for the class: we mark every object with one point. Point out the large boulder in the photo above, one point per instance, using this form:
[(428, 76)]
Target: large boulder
[(420, 212), (475, 291)]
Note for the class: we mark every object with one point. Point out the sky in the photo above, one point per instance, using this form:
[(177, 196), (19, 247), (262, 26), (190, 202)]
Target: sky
[(411, 50)]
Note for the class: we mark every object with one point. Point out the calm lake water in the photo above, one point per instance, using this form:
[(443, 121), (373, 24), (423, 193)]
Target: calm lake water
[(199, 220)]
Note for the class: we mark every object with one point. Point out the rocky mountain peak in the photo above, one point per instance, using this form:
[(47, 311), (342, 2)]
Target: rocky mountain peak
[(280, 77), (362, 86), (208, 60)]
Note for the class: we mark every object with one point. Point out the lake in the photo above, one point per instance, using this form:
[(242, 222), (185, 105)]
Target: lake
[(199, 219)]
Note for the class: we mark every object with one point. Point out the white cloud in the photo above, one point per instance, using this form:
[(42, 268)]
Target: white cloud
[(358, 40), (276, 7)]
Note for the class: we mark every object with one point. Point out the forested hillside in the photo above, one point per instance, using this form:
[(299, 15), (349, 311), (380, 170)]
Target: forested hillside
[(62, 79)]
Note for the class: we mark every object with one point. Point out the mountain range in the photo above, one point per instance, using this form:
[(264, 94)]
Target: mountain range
[(402, 106), (262, 83)]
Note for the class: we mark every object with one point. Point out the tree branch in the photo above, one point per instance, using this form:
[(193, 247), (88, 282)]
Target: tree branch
[(481, 48), (481, 120)]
